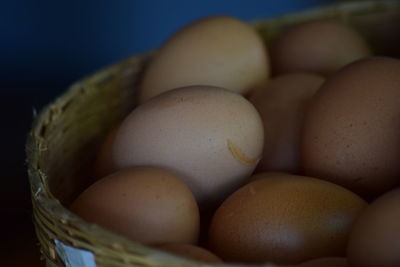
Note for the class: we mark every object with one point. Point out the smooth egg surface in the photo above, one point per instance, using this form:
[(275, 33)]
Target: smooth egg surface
[(282, 105), (325, 262), (352, 128), (210, 137), (285, 219), (217, 51), (148, 205), (104, 164), (375, 239), (320, 46)]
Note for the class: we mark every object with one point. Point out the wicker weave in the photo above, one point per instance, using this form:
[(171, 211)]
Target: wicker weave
[(64, 138)]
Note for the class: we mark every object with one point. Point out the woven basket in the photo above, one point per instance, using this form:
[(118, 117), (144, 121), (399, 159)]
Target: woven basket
[(65, 136)]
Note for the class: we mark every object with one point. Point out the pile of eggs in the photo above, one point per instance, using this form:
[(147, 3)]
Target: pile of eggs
[(242, 153)]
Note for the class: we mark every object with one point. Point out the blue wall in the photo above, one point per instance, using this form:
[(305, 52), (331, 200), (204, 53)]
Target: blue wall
[(46, 45)]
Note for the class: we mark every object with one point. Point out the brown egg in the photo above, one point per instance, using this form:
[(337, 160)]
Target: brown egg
[(217, 51), (375, 238), (210, 137), (282, 105), (325, 262), (148, 205), (104, 163), (351, 131), (191, 252), (285, 219), (320, 46)]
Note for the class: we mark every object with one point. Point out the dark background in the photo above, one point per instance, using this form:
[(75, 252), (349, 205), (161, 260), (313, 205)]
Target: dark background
[(47, 45)]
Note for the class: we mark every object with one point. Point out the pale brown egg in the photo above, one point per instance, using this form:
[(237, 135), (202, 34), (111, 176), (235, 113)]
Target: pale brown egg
[(147, 205), (210, 137), (282, 105), (375, 238), (352, 128), (217, 51), (320, 46), (191, 252), (286, 219)]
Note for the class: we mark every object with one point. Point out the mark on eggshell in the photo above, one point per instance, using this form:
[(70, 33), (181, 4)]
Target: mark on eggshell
[(238, 154)]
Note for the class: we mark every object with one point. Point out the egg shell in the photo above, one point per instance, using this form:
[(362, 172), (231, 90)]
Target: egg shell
[(282, 105), (210, 137), (352, 128), (104, 164), (375, 238), (325, 262), (262, 175), (218, 51), (147, 205), (191, 252), (320, 46), (285, 219)]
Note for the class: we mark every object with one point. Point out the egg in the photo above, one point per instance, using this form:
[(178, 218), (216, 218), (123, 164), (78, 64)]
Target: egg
[(210, 137), (191, 252), (104, 165), (325, 262), (147, 205), (285, 219), (375, 238), (321, 46), (217, 51), (282, 105), (261, 175), (352, 128)]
